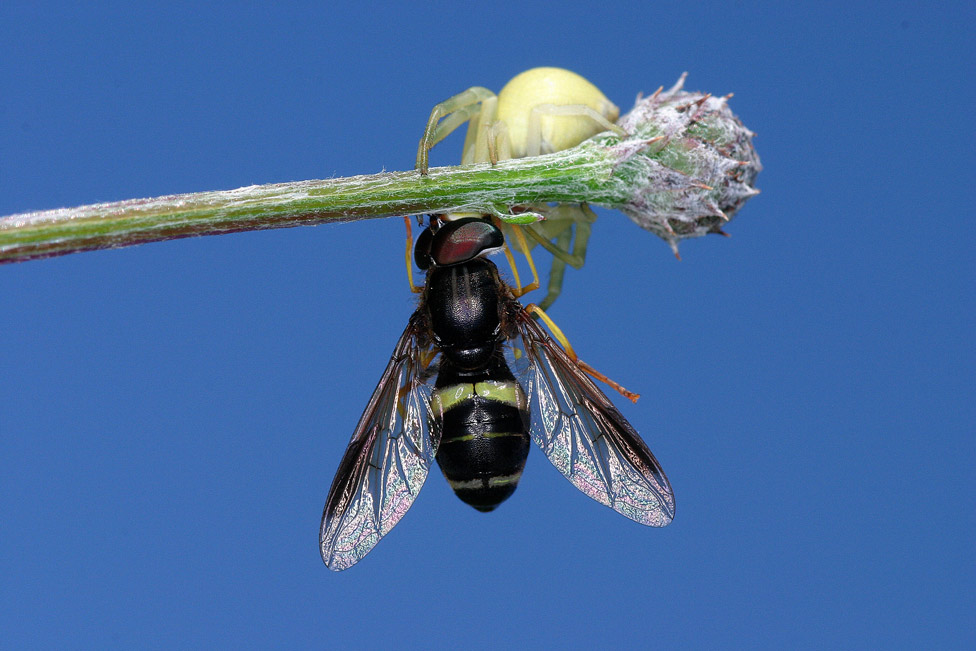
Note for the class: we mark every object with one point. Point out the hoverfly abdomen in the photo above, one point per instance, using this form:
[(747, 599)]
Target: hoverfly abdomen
[(484, 421)]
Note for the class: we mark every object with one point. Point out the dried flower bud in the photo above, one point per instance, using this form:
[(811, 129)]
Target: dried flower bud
[(692, 163)]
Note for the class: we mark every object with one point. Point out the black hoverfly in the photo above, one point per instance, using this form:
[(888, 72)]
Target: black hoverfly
[(449, 393)]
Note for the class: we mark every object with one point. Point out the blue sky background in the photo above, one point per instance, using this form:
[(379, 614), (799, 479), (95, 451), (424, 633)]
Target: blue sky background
[(171, 415)]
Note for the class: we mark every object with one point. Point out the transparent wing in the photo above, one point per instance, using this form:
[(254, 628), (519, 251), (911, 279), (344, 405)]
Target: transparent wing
[(585, 437), (387, 460)]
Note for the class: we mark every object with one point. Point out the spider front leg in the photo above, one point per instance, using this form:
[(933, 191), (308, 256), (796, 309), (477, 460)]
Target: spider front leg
[(498, 143), (454, 112), (563, 222)]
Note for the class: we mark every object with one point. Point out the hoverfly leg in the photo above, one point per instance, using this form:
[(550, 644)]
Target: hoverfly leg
[(519, 290), (528, 256), (511, 260), (532, 308), (413, 288)]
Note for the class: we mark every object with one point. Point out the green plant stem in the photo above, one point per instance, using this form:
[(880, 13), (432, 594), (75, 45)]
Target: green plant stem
[(574, 175), (681, 165)]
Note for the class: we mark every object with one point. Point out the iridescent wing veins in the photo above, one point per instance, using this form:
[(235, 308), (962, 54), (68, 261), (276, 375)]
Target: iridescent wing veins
[(387, 460), (586, 437)]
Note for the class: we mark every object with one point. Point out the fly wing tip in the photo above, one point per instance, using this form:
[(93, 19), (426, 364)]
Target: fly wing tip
[(337, 562)]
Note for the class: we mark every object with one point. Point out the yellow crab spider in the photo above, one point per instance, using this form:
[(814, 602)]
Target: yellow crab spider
[(539, 111)]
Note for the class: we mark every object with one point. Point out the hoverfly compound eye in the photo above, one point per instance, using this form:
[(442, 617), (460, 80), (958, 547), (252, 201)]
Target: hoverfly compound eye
[(465, 239), (421, 250)]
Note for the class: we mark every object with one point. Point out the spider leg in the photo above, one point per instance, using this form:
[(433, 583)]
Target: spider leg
[(587, 123), (556, 271), (454, 112), (499, 142), (480, 131), (569, 220)]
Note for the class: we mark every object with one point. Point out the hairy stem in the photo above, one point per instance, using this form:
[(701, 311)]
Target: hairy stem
[(573, 175), (681, 167)]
